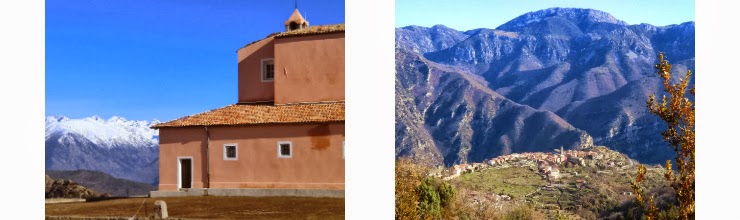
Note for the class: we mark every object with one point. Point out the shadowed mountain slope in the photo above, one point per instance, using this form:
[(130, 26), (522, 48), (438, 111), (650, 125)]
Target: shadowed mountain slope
[(591, 69), (461, 120)]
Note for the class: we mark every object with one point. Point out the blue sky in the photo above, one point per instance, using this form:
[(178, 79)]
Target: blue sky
[(471, 14), (156, 59)]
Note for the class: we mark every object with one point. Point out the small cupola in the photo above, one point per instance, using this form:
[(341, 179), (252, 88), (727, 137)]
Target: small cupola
[(296, 21)]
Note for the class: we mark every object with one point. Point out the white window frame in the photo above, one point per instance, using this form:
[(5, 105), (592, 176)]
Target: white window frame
[(279, 153), (236, 147), (262, 69), (342, 150)]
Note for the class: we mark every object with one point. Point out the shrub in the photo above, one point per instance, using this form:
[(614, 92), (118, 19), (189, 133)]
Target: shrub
[(408, 179), (419, 196), (523, 212), (465, 209), (429, 201), (446, 194)]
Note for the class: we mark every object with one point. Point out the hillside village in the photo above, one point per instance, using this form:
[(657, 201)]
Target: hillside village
[(546, 163)]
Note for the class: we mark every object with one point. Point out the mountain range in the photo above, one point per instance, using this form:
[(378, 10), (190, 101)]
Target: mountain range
[(122, 148), (556, 77)]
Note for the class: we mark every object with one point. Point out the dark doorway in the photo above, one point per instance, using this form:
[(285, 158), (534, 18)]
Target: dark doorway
[(186, 173)]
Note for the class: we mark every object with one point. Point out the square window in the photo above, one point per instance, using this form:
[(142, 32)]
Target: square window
[(285, 149), (230, 152), (268, 70)]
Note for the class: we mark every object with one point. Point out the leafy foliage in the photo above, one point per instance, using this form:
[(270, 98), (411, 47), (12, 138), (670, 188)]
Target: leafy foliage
[(408, 176), (429, 202), (677, 111), (419, 196), (465, 209), (446, 194), (650, 208)]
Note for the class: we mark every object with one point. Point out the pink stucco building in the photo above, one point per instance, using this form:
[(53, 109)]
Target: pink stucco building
[(286, 130)]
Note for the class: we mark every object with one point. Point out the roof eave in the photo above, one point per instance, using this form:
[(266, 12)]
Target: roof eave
[(306, 34), (252, 124)]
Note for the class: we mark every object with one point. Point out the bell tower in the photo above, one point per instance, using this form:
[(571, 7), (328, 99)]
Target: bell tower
[(295, 21)]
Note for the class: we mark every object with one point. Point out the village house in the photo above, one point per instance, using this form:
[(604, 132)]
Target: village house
[(286, 130)]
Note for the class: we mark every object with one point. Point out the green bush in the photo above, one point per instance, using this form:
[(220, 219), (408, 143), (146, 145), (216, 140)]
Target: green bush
[(429, 201), (419, 196), (446, 194)]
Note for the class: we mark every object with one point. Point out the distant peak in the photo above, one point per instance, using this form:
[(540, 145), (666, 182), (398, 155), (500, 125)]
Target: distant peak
[(435, 27), (440, 26), (575, 15), (582, 13), (96, 118), (562, 11), (58, 118), (687, 24), (117, 119), (115, 131)]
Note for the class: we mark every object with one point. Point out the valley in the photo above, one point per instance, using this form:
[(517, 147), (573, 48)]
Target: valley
[(555, 77), (542, 117)]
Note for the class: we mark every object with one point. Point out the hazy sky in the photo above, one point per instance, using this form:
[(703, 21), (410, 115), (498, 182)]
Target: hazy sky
[(156, 59), (471, 14)]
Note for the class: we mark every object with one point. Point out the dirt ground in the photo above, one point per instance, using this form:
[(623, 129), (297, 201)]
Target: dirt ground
[(209, 207)]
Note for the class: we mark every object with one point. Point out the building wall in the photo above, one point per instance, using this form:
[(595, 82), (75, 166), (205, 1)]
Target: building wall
[(309, 68), (251, 86), (317, 156), (181, 142)]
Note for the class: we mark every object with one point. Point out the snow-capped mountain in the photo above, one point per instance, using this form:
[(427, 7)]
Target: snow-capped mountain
[(116, 131), (123, 148)]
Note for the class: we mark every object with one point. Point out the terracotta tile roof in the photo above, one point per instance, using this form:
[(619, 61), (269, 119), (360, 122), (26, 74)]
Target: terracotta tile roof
[(311, 30), (253, 42), (250, 114), (321, 29)]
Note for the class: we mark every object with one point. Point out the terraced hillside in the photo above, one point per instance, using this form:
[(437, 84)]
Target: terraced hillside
[(585, 184)]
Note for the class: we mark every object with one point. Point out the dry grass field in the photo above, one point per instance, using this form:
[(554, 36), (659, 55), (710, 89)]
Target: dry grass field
[(209, 207)]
